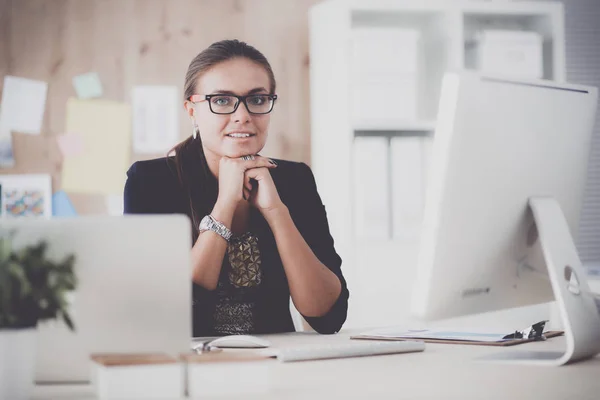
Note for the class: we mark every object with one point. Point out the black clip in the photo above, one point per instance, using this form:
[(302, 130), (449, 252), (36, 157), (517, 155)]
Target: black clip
[(535, 332)]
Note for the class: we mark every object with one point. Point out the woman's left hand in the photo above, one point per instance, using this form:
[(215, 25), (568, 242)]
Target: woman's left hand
[(264, 195)]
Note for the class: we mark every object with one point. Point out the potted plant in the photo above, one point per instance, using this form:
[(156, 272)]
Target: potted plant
[(33, 288)]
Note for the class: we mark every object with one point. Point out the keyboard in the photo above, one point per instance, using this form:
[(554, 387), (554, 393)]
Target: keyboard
[(359, 348)]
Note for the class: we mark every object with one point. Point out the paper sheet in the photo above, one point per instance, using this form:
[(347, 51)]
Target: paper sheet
[(70, 144), (407, 186), (23, 104), (371, 188), (7, 158), (87, 85), (62, 206), (155, 122), (104, 127), (475, 335), (114, 204), (26, 196)]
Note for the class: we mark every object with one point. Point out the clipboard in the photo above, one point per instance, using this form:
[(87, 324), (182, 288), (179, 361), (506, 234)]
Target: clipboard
[(511, 342)]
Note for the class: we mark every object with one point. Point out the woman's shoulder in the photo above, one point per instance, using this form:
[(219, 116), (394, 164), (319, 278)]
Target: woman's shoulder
[(290, 170), (152, 187), (163, 168), (292, 176)]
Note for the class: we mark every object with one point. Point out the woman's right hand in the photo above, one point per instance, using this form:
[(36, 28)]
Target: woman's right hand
[(232, 185)]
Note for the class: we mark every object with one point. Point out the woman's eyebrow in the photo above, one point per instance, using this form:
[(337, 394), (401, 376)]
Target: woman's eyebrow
[(257, 90), (229, 92)]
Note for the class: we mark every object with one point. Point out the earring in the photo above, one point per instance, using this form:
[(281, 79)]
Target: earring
[(196, 131)]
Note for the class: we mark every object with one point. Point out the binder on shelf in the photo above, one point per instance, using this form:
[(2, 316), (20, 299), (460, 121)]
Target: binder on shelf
[(513, 53), (392, 99), (371, 188), (407, 186), (427, 148), (385, 50), (385, 68)]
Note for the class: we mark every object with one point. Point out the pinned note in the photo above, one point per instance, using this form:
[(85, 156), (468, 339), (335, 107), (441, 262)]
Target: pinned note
[(155, 122), (26, 195), (105, 129), (22, 106), (88, 86), (70, 144), (7, 159), (62, 206)]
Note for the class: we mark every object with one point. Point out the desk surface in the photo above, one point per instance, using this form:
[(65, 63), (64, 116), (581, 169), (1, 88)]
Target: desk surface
[(442, 371)]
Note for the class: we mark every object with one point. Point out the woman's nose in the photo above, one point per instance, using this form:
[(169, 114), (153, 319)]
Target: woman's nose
[(241, 114)]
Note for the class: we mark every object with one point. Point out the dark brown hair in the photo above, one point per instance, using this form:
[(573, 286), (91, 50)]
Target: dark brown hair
[(197, 182)]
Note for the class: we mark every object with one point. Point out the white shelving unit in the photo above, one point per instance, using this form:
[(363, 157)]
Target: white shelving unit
[(380, 272)]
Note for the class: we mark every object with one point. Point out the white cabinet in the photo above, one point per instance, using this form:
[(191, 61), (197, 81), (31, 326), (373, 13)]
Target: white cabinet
[(375, 72)]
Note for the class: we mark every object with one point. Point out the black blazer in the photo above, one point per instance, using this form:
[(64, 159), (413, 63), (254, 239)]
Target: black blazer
[(153, 187)]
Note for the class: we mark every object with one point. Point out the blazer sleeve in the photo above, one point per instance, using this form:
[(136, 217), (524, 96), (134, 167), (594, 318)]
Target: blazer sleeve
[(134, 200), (311, 219), (151, 188)]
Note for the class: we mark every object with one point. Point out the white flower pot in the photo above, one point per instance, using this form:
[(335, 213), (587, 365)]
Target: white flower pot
[(17, 363)]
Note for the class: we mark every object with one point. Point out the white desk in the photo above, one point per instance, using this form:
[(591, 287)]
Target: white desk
[(440, 372)]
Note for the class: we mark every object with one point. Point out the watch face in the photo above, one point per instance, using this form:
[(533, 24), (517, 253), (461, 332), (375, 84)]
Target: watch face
[(205, 223)]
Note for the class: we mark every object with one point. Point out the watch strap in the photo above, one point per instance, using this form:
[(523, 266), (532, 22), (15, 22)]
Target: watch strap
[(209, 223)]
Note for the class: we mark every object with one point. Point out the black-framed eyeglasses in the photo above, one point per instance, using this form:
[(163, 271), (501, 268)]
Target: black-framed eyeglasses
[(229, 103)]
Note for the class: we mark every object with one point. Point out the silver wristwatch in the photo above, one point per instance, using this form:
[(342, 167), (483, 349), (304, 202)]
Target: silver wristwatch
[(208, 223)]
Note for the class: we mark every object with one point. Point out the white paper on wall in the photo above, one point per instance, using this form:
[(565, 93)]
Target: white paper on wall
[(7, 159), (155, 122), (23, 105)]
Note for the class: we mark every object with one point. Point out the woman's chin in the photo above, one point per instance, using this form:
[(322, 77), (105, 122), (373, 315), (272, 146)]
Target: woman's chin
[(241, 151)]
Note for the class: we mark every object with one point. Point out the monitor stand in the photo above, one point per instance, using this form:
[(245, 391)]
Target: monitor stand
[(575, 302)]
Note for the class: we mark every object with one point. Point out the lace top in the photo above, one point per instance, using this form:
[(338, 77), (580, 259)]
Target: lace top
[(238, 287)]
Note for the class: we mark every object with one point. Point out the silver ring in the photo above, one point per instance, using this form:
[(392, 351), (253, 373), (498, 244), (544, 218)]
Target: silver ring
[(248, 158)]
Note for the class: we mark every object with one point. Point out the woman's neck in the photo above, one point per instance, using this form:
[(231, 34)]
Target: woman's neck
[(212, 160)]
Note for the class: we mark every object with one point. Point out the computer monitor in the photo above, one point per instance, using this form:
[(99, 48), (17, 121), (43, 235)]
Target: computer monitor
[(506, 183), (133, 293)]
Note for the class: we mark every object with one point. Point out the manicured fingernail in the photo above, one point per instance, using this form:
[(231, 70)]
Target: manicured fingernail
[(273, 162)]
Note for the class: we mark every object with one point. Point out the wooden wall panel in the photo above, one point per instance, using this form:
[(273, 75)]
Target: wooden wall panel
[(148, 42)]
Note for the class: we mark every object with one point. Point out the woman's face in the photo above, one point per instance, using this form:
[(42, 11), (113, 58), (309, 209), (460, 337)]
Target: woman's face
[(241, 77)]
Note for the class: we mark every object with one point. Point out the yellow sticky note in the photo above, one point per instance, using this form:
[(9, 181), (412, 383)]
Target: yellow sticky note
[(105, 129)]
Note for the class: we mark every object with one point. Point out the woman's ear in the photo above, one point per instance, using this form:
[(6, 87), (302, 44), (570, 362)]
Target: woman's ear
[(189, 108)]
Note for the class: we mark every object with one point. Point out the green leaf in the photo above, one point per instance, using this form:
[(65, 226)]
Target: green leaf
[(5, 287), (68, 321), (5, 248), (17, 272)]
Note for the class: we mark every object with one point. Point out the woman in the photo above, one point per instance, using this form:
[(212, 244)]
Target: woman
[(260, 229)]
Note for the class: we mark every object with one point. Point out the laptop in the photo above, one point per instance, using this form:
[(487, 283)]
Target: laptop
[(133, 293)]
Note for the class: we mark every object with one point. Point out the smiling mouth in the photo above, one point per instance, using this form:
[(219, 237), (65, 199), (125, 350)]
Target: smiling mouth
[(240, 135)]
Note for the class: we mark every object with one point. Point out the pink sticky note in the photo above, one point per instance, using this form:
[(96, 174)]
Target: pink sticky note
[(70, 144)]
